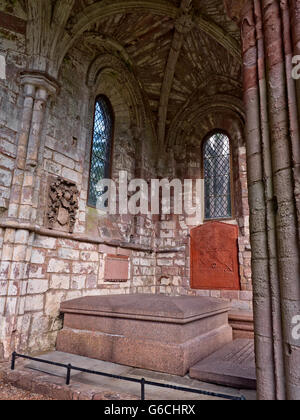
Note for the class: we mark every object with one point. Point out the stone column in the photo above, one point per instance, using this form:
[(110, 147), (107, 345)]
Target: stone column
[(258, 212), (44, 89), (284, 126), (292, 25), (17, 242), (37, 90), (273, 154)]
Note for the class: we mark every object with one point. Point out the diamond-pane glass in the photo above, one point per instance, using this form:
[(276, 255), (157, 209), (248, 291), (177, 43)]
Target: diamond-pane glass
[(217, 177), (101, 149)]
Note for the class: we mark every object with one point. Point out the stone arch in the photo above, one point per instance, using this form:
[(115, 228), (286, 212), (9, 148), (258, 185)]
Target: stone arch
[(210, 119), (218, 112), (193, 112), (108, 83), (104, 79), (227, 121), (106, 41), (129, 86), (187, 145), (134, 130)]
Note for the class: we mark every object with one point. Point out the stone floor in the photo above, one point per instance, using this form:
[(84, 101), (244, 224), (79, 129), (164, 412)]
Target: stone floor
[(232, 365), (102, 384), (11, 393)]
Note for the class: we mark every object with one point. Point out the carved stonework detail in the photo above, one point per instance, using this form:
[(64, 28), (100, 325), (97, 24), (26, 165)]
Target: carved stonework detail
[(184, 24), (62, 205)]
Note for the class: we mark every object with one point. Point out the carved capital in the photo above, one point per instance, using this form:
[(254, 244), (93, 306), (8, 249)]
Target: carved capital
[(40, 80), (234, 9)]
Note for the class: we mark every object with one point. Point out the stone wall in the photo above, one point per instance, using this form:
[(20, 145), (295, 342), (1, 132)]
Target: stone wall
[(12, 48), (63, 270), (186, 148), (39, 271)]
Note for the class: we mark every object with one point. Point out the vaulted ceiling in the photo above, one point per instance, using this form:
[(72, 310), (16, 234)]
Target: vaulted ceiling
[(209, 48), (174, 47)]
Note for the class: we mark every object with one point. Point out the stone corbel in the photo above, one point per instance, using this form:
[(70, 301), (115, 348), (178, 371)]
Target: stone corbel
[(40, 81)]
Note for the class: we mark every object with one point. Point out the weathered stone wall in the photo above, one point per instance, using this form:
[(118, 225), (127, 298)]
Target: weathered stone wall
[(173, 270), (3, 279), (63, 270), (12, 48), (38, 272)]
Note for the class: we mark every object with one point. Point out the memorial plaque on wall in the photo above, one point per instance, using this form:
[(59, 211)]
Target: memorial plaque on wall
[(214, 257), (116, 269)]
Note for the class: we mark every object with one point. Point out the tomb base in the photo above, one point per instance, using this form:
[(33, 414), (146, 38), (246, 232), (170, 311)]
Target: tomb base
[(154, 332)]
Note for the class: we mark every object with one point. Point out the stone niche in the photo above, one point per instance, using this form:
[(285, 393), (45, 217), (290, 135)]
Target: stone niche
[(154, 332), (62, 205)]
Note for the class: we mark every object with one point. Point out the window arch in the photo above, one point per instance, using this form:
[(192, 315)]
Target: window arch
[(101, 153), (217, 177)]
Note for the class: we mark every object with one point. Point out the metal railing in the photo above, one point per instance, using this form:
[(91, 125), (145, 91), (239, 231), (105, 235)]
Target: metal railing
[(143, 382)]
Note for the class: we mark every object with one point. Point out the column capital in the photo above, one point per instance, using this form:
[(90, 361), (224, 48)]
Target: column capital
[(40, 80), (235, 8)]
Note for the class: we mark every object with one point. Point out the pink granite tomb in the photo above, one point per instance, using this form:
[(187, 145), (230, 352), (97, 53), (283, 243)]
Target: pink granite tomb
[(155, 332)]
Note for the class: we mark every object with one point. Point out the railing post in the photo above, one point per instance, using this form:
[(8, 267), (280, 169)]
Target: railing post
[(13, 360), (143, 389), (68, 374)]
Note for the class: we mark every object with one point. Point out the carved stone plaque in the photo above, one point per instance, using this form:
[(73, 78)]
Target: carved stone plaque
[(214, 257), (62, 205), (116, 269)]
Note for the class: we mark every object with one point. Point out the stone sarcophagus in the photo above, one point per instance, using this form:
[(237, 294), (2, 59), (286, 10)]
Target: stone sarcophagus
[(214, 257), (154, 332)]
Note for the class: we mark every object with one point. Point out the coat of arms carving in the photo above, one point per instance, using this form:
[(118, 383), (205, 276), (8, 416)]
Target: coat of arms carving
[(62, 205)]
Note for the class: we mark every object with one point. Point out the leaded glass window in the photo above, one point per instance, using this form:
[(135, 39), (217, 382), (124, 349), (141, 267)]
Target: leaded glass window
[(217, 177), (101, 148)]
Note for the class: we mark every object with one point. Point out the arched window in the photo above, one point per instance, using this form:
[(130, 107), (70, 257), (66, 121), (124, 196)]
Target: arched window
[(101, 148), (217, 177)]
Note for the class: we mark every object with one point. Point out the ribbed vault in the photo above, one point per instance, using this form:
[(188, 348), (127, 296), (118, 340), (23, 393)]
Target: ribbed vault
[(171, 46)]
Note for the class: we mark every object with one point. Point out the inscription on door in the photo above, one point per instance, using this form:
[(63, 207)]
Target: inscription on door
[(214, 257)]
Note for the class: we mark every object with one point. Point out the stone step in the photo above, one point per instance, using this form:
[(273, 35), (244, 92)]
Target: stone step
[(242, 324), (233, 365)]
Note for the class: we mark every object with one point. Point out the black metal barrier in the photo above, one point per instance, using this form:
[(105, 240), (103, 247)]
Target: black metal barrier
[(143, 382)]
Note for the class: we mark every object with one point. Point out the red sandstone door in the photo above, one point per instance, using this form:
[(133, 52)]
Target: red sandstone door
[(214, 257)]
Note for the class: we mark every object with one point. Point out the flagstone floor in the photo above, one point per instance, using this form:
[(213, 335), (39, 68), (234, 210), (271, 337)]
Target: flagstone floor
[(152, 393)]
